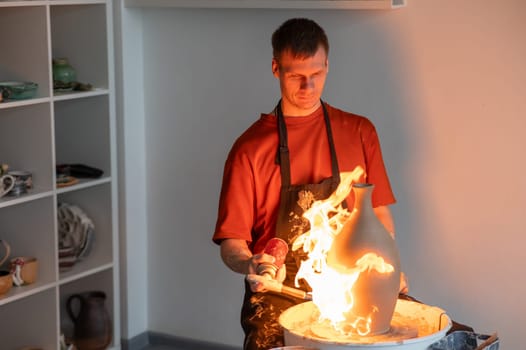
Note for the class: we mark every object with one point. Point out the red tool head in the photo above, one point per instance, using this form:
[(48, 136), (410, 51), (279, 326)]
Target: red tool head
[(278, 248)]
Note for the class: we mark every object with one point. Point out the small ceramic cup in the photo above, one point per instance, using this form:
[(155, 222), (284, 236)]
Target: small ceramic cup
[(23, 182), (24, 270), (6, 281)]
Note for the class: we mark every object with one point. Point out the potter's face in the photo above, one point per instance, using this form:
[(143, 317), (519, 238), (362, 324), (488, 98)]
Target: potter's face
[(301, 81)]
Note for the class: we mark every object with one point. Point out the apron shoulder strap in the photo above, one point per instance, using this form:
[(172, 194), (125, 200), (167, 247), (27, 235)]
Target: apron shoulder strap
[(283, 158)]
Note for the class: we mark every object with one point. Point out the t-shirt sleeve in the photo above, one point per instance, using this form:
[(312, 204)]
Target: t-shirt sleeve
[(376, 171), (236, 209)]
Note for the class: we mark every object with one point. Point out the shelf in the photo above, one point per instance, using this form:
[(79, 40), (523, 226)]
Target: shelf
[(20, 103), (84, 183), (271, 4), (79, 34), (34, 195), (75, 2), (63, 96), (75, 127), (17, 293), (97, 281), (21, 325), (82, 132), (27, 144), (22, 3), (24, 52), (77, 272), (48, 2)]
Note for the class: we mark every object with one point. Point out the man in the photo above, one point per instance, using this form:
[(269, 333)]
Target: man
[(300, 147)]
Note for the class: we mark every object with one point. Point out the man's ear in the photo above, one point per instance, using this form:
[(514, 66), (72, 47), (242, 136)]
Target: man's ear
[(275, 67), (327, 65)]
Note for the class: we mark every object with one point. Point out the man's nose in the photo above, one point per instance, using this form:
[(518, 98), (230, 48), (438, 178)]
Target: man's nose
[(307, 83)]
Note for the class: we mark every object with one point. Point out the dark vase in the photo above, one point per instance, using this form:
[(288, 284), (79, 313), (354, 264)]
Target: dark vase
[(92, 323)]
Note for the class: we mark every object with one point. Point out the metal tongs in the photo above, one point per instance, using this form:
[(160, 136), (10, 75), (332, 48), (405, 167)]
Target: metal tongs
[(278, 287), (275, 286)]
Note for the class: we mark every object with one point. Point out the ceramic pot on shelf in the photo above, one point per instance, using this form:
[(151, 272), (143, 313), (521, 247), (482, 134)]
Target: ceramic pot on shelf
[(91, 320), (64, 75), (375, 292)]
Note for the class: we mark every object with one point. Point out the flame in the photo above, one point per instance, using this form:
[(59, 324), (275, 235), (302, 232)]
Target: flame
[(371, 261), (332, 289)]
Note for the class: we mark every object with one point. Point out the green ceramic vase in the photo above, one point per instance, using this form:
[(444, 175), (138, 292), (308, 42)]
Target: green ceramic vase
[(64, 76)]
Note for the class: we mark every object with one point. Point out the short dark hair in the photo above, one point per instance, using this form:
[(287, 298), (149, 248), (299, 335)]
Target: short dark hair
[(302, 36)]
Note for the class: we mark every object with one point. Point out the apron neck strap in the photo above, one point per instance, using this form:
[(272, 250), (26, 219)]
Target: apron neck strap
[(283, 151)]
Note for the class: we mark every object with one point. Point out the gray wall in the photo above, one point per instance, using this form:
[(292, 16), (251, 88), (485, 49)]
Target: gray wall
[(444, 83)]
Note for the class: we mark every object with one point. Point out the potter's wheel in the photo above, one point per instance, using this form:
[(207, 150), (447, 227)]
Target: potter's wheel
[(414, 326)]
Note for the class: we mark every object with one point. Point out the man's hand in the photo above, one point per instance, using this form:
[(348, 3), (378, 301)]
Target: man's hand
[(258, 259), (265, 282), (238, 258)]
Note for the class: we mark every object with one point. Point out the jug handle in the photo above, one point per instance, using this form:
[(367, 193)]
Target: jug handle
[(69, 308), (7, 251)]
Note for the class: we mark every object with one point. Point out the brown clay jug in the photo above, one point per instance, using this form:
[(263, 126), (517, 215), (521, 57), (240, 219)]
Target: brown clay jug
[(375, 293), (92, 323)]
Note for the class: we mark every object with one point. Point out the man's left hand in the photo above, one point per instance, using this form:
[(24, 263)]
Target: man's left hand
[(266, 283)]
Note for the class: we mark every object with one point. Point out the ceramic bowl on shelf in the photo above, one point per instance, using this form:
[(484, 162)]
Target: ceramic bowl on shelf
[(76, 235), (18, 90)]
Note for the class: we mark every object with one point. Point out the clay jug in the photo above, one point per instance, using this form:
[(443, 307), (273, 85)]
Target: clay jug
[(92, 323), (375, 293)]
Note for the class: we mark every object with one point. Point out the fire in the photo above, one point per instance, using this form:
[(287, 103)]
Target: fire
[(332, 288), (371, 261)]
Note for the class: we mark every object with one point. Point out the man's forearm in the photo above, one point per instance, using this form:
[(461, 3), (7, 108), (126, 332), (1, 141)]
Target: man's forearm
[(236, 255)]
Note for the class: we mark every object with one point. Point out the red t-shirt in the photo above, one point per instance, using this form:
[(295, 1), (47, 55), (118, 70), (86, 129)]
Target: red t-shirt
[(250, 194)]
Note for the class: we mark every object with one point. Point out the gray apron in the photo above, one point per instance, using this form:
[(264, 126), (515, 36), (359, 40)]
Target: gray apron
[(260, 311)]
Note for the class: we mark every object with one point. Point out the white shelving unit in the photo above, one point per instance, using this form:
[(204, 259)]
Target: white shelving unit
[(50, 129)]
